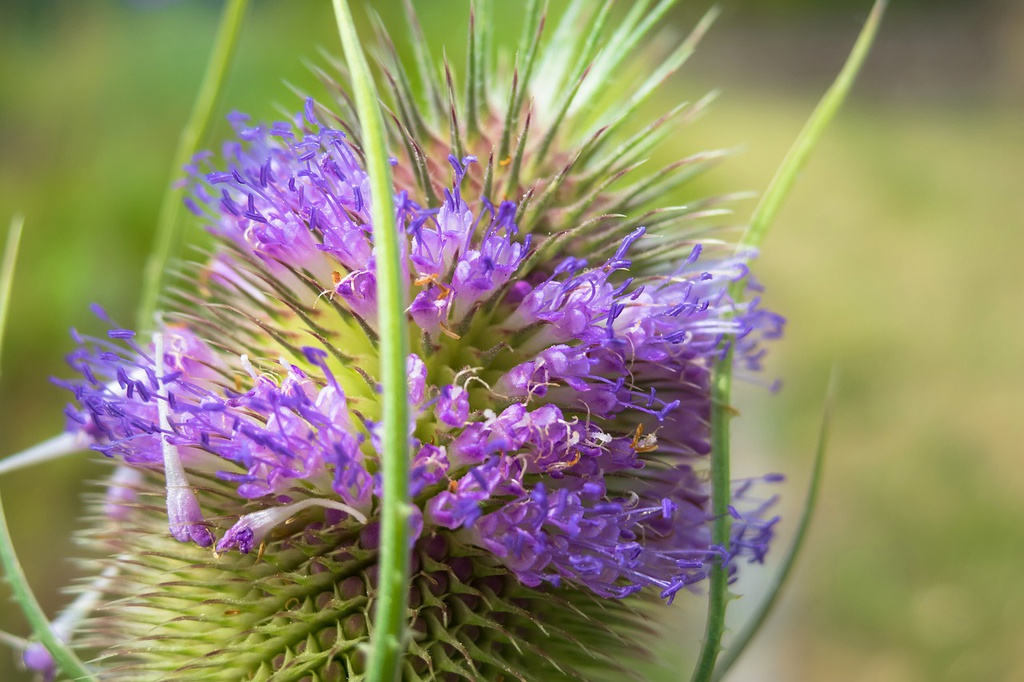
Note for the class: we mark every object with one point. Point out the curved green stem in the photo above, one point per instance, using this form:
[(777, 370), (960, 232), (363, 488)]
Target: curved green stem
[(390, 615), (65, 658), (762, 219), (168, 234), (63, 655), (739, 643)]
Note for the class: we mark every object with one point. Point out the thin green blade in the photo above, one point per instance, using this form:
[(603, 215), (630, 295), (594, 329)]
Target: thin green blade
[(810, 134), (168, 232), (66, 659), (7, 271), (764, 607)]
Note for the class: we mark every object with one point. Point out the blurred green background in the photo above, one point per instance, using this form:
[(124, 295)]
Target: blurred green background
[(897, 258)]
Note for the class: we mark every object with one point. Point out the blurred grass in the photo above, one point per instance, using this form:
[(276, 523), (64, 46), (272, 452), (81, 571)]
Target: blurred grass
[(897, 257)]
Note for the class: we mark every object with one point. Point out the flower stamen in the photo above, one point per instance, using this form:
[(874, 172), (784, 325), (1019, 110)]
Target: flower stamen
[(185, 518), (252, 529)]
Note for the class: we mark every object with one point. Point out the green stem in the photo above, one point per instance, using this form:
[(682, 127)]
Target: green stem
[(390, 615), (63, 655), (762, 219), (168, 234), (66, 659), (718, 590), (739, 643)]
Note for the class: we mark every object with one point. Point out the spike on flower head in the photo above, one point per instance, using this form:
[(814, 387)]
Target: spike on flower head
[(566, 321)]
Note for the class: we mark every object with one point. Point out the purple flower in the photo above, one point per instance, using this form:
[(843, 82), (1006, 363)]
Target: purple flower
[(560, 399)]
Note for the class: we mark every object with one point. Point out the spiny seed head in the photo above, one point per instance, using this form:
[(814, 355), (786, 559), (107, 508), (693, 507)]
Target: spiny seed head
[(565, 322)]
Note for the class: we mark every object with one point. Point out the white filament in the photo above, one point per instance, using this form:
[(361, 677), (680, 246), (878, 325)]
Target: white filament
[(59, 446)]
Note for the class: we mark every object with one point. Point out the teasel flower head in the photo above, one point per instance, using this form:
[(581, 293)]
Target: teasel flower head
[(566, 318)]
